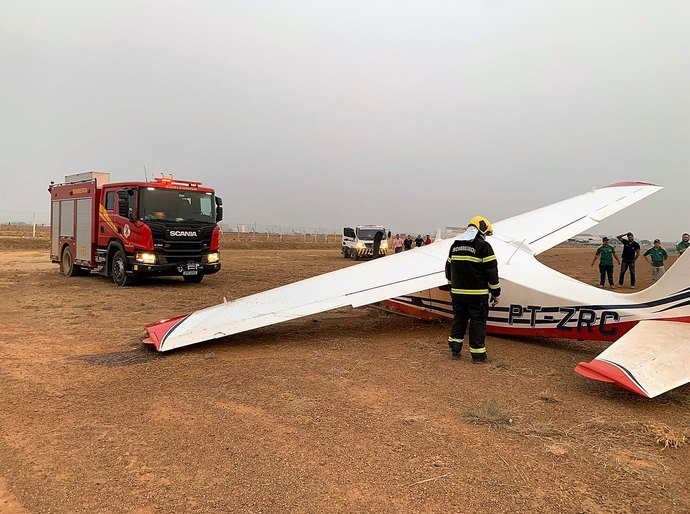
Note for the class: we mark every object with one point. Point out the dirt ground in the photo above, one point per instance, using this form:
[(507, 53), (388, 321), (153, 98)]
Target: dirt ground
[(347, 411)]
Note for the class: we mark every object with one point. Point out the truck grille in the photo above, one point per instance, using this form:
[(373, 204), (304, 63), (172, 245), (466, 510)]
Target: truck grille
[(184, 248)]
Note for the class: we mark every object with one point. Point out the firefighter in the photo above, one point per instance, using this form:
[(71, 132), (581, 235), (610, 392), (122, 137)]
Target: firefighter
[(472, 273)]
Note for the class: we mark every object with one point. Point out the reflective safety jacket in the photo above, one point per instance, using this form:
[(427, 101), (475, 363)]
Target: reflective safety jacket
[(471, 269)]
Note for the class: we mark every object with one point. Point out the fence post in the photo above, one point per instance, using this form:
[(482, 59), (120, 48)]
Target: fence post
[(33, 222)]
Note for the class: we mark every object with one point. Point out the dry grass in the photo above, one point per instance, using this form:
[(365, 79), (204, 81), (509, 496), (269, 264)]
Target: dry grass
[(412, 418), (547, 397), (491, 414), (501, 364), (557, 449), (665, 435)]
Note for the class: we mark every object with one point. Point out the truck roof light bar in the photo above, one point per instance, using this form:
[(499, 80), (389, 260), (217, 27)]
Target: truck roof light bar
[(170, 181)]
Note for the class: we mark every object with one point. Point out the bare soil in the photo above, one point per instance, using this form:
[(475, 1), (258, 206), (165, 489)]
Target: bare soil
[(347, 411)]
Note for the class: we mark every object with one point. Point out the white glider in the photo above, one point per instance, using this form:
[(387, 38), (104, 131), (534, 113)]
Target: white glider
[(535, 300)]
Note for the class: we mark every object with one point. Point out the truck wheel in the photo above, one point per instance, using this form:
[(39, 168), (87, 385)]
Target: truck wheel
[(118, 269), (346, 254), (67, 266), (193, 279)]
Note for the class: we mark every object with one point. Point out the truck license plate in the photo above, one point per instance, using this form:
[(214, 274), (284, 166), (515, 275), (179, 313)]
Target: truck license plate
[(190, 270)]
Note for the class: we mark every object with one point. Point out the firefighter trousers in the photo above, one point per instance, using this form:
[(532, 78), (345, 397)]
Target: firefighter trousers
[(474, 313)]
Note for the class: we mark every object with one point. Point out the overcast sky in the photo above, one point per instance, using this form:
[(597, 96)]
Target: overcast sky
[(413, 114)]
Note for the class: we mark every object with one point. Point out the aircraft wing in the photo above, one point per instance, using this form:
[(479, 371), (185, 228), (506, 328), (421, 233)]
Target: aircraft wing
[(396, 275), (649, 360), (362, 284), (548, 226)]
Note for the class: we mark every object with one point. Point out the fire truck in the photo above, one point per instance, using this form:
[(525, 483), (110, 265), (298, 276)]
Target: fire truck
[(128, 229)]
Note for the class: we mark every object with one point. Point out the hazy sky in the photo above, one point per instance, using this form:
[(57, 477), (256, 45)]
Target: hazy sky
[(414, 114)]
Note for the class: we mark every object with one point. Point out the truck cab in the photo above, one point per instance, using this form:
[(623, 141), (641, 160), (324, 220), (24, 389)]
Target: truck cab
[(359, 242), (129, 229)]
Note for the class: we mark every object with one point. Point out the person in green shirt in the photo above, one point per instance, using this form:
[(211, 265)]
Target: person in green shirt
[(606, 253), (683, 245), (656, 256)]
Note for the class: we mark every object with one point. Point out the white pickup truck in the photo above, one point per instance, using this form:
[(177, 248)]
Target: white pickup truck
[(359, 242)]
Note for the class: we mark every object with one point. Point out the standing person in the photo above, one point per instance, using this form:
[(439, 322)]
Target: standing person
[(419, 241), (607, 253), (376, 247), (683, 245), (472, 273), (397, 244), (630, 253), (407, 243), (427, 240), (657, 255)]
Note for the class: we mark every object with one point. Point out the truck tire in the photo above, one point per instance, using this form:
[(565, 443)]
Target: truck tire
[(67, 266), (118, 269), (346, 253), (193, 279)]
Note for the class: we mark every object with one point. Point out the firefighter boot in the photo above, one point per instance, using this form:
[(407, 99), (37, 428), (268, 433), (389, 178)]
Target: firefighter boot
[(455, 347)]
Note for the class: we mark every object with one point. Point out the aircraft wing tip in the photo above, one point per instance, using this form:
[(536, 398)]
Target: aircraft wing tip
[(609, 372), (631, 183), (157, 332)]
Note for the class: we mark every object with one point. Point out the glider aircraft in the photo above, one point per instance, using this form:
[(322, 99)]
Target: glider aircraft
[(649, 329)]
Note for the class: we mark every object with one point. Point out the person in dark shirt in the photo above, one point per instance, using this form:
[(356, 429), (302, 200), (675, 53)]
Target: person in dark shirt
[(408, 242), (378, 237), (631, 252), (418, 240)]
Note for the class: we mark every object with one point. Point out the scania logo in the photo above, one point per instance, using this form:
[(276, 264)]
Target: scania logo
[(183, 233)]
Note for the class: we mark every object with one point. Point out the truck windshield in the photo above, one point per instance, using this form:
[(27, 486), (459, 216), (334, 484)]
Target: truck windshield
[(369, 233), (176, 205)]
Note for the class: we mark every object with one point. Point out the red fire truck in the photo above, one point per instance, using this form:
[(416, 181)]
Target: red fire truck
[(128, 229)]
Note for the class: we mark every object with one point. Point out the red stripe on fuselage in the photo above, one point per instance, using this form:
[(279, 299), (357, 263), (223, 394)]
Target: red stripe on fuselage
[(517, 330), (594, 335), (414, 311)]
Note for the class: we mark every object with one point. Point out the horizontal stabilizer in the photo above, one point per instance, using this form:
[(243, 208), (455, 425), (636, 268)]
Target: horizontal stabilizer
[(650, 359)]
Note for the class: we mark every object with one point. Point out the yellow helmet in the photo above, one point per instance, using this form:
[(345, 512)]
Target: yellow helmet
[(482, 224)]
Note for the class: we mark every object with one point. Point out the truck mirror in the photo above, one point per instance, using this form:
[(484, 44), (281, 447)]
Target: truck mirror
[(219, 213), (127, 204), (123, 203), (219, 201)]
